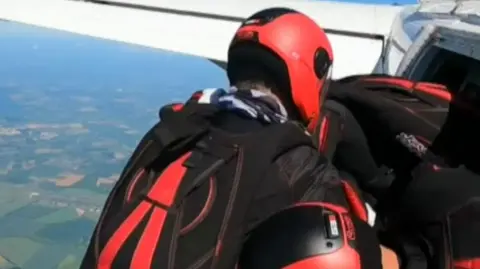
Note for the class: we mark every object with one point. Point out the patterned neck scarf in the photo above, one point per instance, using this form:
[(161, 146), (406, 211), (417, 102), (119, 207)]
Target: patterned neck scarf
[(252, 103)]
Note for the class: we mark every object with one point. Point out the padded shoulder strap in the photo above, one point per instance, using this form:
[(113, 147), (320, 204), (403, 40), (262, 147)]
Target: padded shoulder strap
[(180, 129), (185, 121)]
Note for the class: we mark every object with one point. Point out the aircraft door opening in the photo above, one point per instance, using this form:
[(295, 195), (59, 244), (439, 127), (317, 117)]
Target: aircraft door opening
[(444, 55)]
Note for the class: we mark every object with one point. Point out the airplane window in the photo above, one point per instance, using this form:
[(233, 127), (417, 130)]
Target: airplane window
[(449, 68), (71, 111)]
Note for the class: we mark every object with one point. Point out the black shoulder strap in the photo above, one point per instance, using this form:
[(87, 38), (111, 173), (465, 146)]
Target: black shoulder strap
[(256, 153), (179, 130), (185, 122), (176, 129)]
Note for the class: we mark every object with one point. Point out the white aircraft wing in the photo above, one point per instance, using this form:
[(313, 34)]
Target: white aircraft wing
[(204, 28)]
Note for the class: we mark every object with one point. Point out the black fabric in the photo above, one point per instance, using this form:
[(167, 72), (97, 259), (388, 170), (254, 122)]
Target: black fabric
[(274, 166), (382, 117), (459, 139), (429, 216), (252, 171), (367, 244), (442, 206), (351, 152), (373, 115)]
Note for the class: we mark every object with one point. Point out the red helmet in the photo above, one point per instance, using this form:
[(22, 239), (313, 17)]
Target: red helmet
[(312, 236), (292, 48)]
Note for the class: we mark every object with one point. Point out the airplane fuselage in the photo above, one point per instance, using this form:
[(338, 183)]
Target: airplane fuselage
[(449, 25)]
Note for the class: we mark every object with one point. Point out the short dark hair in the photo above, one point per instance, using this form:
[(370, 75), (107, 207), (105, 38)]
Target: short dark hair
[(255, 77), (251, 77)]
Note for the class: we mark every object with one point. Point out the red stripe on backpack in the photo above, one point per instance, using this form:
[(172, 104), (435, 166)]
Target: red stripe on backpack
[(163, 191), (437, 90)]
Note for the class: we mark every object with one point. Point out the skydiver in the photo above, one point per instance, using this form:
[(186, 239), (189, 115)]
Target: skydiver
[(365, 116), (435, 225), (429, 201), (215, 167), (433, 221)]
